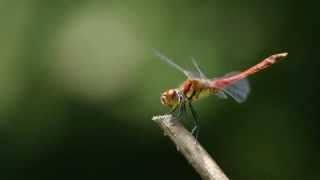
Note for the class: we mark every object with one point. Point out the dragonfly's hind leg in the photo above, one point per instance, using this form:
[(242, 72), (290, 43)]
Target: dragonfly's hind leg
[(195, 129)]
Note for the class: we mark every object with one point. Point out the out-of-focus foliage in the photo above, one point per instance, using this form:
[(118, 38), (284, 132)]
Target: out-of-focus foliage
[(79, 84)]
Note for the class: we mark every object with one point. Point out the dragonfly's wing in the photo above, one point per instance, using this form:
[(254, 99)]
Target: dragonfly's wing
[(221, 95), (239, 90), (168, 61), (189, 74), (192, 75), (196, 65)]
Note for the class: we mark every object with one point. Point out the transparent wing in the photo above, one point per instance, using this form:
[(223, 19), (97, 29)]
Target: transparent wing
[(239, 90), (189, 74), (198, 68), (168, 61), (221, 95), (192, 75)]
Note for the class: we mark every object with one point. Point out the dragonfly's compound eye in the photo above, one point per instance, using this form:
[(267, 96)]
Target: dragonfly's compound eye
[(169, 98)]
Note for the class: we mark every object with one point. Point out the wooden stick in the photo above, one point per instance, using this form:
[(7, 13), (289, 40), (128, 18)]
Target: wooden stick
[(190, 148)]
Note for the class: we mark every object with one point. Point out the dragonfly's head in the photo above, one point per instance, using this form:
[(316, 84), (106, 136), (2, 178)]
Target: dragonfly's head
[(170, 98)]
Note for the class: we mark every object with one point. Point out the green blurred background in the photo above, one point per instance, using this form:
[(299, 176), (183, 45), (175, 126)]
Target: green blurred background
[(79, 84)]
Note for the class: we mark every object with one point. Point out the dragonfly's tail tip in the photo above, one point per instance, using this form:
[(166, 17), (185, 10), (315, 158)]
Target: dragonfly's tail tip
[(285, 54), (279, 56), (282, 55)]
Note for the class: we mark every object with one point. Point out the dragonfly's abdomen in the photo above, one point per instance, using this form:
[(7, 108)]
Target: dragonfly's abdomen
[(195, 89)]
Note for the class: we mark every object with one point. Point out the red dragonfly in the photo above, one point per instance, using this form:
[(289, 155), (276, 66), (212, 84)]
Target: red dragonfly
[(197, 86)]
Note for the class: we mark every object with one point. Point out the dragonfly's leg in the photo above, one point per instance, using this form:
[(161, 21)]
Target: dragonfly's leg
[(195, 129), (181, 106), (173, 109), (181, 111)]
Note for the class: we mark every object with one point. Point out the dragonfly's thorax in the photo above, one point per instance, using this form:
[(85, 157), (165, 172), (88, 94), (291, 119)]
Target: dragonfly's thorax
[(194, 89)]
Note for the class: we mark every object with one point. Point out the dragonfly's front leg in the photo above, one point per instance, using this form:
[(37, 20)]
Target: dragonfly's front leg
[(181, 107), (182, 111), (196, 127), (173, 109)]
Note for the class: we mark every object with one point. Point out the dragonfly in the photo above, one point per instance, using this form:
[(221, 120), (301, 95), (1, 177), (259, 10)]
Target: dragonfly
[(198, 85)]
